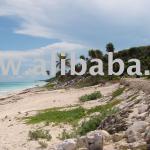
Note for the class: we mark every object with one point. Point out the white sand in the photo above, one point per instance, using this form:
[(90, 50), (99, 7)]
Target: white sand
[(13, 130)]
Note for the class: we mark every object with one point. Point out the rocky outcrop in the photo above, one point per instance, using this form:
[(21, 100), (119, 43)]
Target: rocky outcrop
[(92, 141), (128, 129)]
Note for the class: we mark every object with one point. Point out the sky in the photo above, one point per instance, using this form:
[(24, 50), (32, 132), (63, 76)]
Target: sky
[(34, 28)]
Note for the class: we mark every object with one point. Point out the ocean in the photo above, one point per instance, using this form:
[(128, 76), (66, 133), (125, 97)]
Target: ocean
[(8, 87)]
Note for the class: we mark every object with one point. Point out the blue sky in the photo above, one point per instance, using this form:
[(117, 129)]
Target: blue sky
[(34, 28)]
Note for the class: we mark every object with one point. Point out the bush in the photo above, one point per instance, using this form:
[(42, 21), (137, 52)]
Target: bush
[(94, 122), (66, 135), (90, 97), (39, 134), (50, 86)]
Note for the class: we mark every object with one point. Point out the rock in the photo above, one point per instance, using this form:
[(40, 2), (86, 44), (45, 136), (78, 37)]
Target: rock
[(122, 146), (69, 144), (94, 140), (106, 136), (118, 137), (138, 126), (139, 146), (141, 117), (147, 135), (114, 123), (134, 132), (132, 136), (82, 142), (142, 108)]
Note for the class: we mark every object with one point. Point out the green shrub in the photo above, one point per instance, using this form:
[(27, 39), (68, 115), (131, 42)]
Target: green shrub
[(39, 134), (92, 96), (67, 135), (118, 92), (50, 86), (94, 122)]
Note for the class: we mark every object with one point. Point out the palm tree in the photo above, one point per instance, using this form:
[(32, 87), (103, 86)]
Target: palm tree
[(98, 54), (95, 54), (48, 72), (110, 47), (82, 57), (92, 54), (60, 57)]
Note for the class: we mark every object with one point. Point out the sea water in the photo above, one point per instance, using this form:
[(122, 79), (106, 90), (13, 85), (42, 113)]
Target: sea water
[(8, 87)]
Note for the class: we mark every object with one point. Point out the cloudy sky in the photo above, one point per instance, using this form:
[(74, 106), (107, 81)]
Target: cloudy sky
[(33, 28)]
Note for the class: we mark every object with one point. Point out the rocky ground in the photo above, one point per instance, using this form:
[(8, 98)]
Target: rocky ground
[(128, 129)]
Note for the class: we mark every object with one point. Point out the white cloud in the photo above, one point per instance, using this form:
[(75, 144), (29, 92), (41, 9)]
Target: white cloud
[(41, 52), (74, 20), (89, 22)]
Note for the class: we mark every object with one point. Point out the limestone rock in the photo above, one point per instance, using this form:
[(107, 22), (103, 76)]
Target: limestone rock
[(95, 140), (142, 108), (69, 144), (134, 132), (118, 137)]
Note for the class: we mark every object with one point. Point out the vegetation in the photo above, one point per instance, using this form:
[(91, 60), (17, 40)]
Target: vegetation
[(94, 122), (49, 86), (62, 56), (39, 134), (142, 53), (66, 135), (118, 92), (92, 96), (58, 116), (110, 47), (73, 116)]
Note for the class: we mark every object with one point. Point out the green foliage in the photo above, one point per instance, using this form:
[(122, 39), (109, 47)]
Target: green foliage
[(73, 116), (66, 135), (92, 96), (39, 134), (89, 81), (110, 47), (103, 108), (118, 92), (50, 86), (58, 116), (93, 123)]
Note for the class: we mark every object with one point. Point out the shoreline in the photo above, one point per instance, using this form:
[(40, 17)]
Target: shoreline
[(17, 90)]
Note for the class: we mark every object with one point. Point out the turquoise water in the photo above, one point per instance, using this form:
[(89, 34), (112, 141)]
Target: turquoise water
[(8, 87)]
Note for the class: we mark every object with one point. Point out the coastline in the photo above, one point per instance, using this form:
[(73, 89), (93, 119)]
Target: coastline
[(17, 87)]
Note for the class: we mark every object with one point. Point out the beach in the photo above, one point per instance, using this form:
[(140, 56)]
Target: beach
[(14, 131)]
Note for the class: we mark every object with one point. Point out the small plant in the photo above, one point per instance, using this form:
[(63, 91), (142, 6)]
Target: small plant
[(94, 122), (43, 144), (92, 96), (40, 134), (65, 135), (50, 86), (118, 92)]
